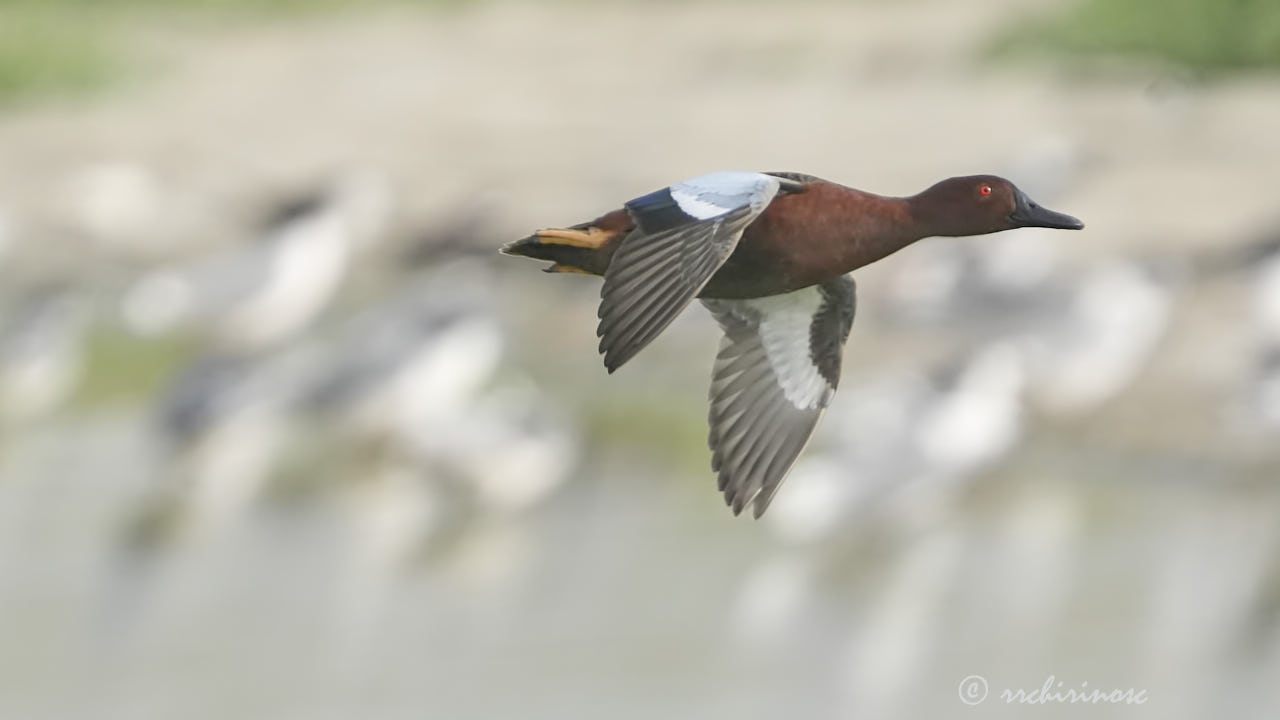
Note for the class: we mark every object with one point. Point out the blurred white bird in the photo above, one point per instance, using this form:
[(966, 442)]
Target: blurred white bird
[(511, 449), (413, 362), (225, 423), (120, 206), (983, 287), (259, 295), (1265, 393), (41, 353), (414, 372), (979, 420), (1118, 313), (907, 444), (998, 281), (1257, 263), (864, 449), (1087, 335), (1266, 299), (1070, 347)]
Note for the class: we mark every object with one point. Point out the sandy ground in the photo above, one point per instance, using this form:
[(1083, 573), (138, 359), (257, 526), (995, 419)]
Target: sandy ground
[(546, 112)]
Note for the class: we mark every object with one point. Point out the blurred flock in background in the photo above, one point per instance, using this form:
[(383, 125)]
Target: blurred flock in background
[(282, 436)]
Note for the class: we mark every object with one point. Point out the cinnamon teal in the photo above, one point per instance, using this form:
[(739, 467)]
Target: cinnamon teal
[(769, 255)]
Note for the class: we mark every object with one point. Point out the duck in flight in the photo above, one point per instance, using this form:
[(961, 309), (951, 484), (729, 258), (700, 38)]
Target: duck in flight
[(769, 254)]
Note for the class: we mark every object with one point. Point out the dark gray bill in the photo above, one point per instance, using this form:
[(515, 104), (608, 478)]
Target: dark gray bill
[(1026, 213)]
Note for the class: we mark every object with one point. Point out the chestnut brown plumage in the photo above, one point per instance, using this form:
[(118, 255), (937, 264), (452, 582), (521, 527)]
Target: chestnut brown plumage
[(769, 254)]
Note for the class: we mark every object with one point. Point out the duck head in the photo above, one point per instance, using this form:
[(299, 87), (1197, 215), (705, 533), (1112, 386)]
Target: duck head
[(981, 204)]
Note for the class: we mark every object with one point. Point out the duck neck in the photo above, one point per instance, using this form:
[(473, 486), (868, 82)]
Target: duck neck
[(880, 227), (925, 217)]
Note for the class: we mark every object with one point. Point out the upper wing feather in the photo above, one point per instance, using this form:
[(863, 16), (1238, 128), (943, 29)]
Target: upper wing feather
[(683, 234)]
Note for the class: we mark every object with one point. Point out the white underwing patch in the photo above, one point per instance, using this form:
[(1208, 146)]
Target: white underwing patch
[(784, 327)]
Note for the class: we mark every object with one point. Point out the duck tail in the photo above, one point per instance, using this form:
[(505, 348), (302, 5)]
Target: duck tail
[(582, 249)]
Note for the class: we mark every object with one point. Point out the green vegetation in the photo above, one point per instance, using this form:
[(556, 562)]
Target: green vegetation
[(1202, 35), (67, 47), (122, 368), (674, 426), (44, 49)]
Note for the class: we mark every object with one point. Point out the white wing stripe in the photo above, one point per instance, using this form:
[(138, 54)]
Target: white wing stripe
[(785, 322), (767, 390)]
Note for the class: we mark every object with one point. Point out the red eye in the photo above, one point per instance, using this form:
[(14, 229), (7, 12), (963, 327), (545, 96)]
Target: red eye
[(985, 189)]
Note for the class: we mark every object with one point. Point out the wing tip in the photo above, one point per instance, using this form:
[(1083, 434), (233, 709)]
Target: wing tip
[(738, 501), (764, 499), (733, 501), (615, 356)]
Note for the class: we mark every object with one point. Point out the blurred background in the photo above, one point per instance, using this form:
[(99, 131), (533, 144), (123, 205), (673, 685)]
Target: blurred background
[(282, 436)]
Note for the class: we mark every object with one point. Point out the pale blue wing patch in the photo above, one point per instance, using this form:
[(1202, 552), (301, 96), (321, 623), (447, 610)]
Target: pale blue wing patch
[(717, 193)]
